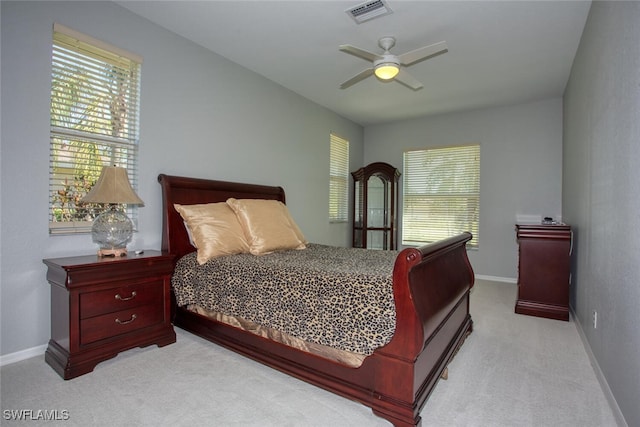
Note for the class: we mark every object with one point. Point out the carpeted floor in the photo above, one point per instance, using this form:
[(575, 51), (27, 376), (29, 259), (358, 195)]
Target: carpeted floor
[(512, 371)]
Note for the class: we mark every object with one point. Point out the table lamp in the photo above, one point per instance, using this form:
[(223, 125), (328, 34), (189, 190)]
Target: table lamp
[(112, 229)]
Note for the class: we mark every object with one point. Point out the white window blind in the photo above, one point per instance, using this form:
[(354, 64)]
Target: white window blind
[(338, 179), (441, 194), (94, 123)]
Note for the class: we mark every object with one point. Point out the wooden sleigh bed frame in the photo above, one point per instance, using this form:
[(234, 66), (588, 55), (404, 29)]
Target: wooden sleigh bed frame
[(431, 288)]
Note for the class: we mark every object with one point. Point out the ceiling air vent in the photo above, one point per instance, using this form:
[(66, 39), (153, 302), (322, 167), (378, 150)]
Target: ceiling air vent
[(368, 10)]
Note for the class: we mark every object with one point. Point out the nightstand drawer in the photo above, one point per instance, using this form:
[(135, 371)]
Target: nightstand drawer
[(121, 322), (121, 298)]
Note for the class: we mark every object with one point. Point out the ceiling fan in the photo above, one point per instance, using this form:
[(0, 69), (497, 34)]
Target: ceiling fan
[(387, 66)]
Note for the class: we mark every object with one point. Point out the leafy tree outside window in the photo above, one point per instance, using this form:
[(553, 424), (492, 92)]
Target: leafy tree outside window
[(94, 123)]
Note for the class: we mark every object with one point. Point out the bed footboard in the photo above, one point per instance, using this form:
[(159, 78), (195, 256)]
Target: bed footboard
[(431, 291)]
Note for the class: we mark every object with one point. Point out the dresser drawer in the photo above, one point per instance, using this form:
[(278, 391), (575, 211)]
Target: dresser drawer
[(120, 298), (121, 322)]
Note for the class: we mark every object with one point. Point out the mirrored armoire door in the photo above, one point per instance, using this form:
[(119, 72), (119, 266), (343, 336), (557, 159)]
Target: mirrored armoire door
[(375, 206)]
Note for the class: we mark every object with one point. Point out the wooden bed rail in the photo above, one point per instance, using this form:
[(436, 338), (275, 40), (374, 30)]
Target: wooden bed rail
[(431, 290), (435, 268)]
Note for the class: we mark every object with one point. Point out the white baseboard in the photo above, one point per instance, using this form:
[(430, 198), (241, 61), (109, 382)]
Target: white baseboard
[(617, 413), (18, 356), (497, 279)]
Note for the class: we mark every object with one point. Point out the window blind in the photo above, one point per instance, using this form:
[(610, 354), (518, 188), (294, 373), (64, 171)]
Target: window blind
[(338, 179), (441, 194), (94, 123)]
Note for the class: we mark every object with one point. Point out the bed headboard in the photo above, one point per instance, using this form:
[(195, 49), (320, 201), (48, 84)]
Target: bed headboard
[(191, 191)]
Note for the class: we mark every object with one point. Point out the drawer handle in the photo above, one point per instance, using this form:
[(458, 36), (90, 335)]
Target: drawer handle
[(124, 322), (133, 295)]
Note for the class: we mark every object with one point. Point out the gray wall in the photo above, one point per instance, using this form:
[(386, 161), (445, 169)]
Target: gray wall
[(201, 115), (601, 193), (205, 116), (520, 167)]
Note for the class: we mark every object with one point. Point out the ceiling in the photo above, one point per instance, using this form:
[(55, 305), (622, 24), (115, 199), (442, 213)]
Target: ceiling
[(500, 52)]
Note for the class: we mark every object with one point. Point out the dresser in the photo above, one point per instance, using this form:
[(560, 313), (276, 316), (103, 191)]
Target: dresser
[(101, 306), (544, 261)]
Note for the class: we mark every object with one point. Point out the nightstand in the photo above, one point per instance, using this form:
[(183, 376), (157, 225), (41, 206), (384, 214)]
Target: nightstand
[(102, 306)]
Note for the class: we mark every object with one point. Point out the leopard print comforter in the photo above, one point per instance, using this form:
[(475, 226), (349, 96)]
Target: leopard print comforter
[(332, 296)]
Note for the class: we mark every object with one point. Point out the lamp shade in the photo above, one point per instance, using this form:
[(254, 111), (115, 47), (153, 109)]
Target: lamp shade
[(114, 187)]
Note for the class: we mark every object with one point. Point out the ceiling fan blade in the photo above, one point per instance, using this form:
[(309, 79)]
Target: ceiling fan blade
[(360, 53), (358, 77), (423, 53), (408, 80)]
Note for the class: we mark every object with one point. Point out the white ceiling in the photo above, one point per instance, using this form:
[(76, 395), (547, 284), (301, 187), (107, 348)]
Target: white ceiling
[(500, 52)]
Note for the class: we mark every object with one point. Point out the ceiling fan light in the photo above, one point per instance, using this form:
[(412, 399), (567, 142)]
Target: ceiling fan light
[(387, 70)]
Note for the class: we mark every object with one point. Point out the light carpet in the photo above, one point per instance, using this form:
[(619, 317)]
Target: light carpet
[(513, 370)]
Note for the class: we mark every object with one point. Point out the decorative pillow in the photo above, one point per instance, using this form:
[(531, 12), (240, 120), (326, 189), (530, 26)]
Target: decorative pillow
[(215, 230), (267, 225)]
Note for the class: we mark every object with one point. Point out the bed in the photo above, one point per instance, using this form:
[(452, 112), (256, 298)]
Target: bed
[(430, 289)]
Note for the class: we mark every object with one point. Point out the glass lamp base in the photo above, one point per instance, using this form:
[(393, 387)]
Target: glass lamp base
[(112, 230)]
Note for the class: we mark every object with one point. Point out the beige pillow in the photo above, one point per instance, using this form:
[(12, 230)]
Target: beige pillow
[(215, 230), (268, 225)]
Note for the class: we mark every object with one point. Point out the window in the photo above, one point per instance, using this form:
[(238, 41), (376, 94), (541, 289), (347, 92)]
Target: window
[(441, 194), (338, 179), (94, 123)]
